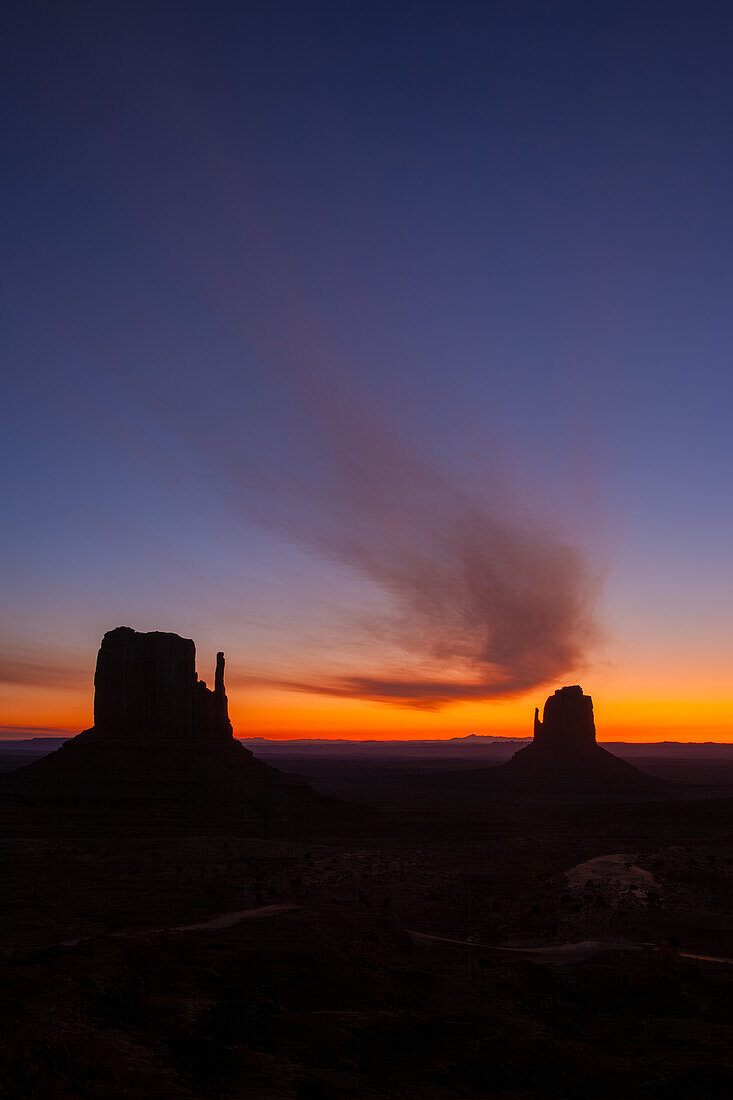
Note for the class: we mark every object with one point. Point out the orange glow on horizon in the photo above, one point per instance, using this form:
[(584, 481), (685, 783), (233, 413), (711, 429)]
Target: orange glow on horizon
[(284, 715)]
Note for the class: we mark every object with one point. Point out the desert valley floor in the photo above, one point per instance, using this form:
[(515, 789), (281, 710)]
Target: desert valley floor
[(437, 945)]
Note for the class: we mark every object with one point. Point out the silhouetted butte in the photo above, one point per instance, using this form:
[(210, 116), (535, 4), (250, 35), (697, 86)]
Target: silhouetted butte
[(161, 750), (564, 753)]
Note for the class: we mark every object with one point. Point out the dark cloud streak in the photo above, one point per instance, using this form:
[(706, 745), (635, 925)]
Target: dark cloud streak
[(483, 605)]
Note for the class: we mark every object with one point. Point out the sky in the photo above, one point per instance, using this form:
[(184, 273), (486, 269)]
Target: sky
[(384, 346)]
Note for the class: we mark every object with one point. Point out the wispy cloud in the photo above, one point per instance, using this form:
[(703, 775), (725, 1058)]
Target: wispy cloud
[(24, 733), (34, 672), (482, 605), (499, 608)]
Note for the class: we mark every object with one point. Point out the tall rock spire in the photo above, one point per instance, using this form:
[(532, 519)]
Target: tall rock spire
[(220, 696)]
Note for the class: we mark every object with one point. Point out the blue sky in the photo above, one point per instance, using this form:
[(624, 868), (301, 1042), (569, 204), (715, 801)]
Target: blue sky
[(294, 290)]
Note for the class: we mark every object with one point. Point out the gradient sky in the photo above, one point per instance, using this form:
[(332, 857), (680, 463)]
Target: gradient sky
[(385, 346)]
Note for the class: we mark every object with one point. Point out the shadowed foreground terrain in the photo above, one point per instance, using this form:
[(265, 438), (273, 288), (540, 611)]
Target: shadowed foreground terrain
[(444, 933), (338, 980)]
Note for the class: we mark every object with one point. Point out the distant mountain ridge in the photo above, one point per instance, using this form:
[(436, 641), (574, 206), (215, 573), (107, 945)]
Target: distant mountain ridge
[(476, 743), (470, 741)]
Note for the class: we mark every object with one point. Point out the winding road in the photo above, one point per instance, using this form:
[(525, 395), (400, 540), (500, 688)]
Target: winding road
[(558, 954)]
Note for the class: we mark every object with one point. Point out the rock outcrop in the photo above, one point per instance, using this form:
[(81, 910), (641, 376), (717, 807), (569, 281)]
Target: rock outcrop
[(162, 751), (564, 753), (147, 684), (567, 721)]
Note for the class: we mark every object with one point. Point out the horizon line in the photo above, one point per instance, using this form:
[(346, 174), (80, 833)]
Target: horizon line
[(29, 733)]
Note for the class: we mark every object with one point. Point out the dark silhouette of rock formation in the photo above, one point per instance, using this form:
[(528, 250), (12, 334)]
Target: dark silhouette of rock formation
[(161, 750), (567, 721), (146, 684), (564, 753)]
